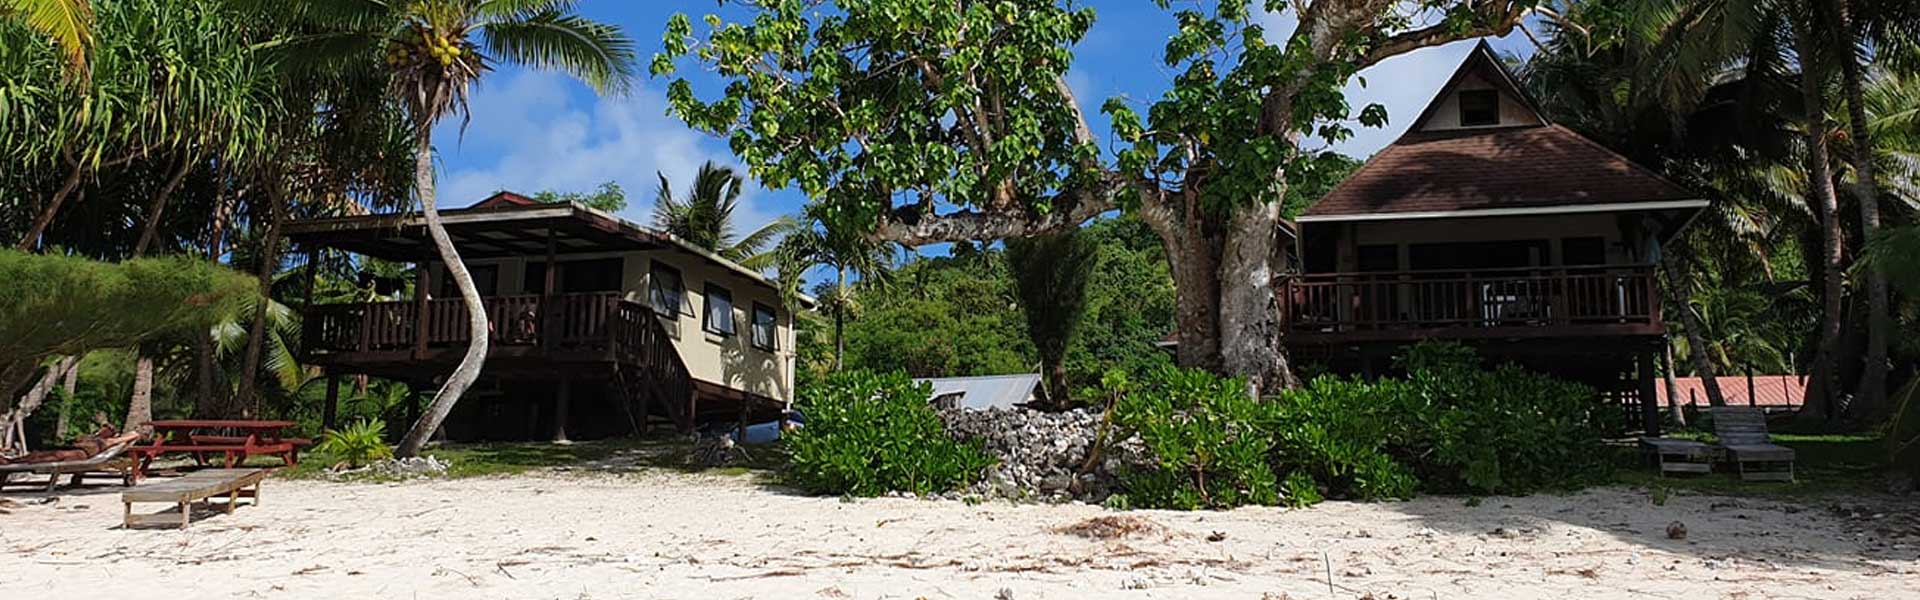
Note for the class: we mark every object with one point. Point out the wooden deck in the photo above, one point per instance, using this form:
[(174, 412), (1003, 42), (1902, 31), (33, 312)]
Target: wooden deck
[(592, 335), (1408, 306)]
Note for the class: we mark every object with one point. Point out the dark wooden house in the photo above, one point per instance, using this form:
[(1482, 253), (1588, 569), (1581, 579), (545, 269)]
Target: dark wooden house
[(1489, 224)]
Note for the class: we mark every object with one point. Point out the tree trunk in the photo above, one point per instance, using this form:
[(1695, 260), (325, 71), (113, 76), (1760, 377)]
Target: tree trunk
[(1680, 291), (257, 333), (1821, 390), (71, 385), (1673, 385), (158, 205), (1869, 401), (469, 370), (41, 222), (11, 420), (840, 323), (140, 407), (1223, 274)]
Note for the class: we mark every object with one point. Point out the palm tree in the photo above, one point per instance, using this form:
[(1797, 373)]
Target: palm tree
[(434, 51), (704, 217), (1050, 273), (831, 240), (68, 22)]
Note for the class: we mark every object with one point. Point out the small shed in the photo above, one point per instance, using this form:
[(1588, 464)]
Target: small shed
[(1004, 392)]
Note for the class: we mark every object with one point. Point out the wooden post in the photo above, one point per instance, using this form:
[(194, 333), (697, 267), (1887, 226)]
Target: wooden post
[(313, 272), (562, 396), (1751, 401), (1648, 409), (329, 411), (422, 280), (548, 316)]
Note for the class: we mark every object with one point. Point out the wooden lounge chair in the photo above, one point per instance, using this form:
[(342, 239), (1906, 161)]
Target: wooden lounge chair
[(1743, 435), (194, 487), (108, 459), (1680, 456)]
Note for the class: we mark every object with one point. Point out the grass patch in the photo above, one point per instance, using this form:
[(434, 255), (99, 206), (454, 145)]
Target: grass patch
[(1824, 465), (615, 455)]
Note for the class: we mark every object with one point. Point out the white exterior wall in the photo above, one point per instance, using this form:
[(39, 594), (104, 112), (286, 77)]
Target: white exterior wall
[(730, 361)]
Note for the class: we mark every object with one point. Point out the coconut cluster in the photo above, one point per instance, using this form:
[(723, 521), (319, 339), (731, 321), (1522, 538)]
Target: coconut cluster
[(439, 48)]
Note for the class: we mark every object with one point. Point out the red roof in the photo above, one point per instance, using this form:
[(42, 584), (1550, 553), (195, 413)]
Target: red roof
[(1768, 390), (505, 198)]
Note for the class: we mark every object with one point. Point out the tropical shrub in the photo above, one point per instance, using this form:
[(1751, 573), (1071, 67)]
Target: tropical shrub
[(1207, 443), (1504, 430), (868, 434), (356, 445), (1342, 434)]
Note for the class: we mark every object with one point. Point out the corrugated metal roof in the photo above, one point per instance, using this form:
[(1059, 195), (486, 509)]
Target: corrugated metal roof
[(1768, 390), (986, 392)]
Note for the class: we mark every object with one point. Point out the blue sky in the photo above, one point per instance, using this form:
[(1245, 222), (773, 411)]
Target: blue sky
[(532, 131)]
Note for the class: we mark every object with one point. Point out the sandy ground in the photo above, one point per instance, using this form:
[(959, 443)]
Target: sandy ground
[(666, 535)]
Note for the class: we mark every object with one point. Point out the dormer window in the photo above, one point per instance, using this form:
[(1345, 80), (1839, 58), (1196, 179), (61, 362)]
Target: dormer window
[(1479, 108)]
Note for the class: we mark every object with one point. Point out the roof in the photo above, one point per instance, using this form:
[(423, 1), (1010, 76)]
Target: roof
[(1768, 390), (1003, 392), (505, 224), (1489, 171)]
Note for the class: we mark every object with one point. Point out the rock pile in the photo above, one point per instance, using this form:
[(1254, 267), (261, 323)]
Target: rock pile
[(402, 468), (1041, 454)]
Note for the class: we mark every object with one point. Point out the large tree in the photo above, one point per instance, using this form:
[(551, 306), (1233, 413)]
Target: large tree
[(434, 51), (892, 109)]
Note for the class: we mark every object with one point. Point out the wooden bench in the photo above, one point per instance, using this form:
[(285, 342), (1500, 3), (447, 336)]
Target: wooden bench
[(194, 487)]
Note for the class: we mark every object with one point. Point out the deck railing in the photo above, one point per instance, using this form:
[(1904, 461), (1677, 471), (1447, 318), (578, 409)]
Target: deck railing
[(1567, 298)]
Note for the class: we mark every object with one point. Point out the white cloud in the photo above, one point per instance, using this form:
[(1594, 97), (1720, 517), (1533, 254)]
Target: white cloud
[(1403, 84), (530, 133)]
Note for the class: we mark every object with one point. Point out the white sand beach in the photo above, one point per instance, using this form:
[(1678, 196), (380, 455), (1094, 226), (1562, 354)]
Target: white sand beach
[(672, 535)]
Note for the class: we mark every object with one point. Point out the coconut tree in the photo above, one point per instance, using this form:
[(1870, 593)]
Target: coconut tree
[(69, 23), (704, 217), (434, 51), (825, 241)]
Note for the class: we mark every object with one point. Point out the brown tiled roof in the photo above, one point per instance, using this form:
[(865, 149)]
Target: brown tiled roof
[(1473, 169)]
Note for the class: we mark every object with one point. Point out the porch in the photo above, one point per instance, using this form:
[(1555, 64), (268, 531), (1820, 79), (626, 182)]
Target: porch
[(597, 336), (1514, 303)]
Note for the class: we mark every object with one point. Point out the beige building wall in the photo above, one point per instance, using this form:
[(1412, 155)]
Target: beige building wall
[(1446, 116), (727, 360)]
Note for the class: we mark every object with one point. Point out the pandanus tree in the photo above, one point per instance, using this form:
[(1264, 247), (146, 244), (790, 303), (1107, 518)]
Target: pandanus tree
[(434, 51), (946, 121)]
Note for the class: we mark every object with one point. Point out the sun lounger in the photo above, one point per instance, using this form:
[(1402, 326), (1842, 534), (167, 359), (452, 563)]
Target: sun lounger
[(1680, 456), (1743, 435), (108, 459), (194, 487)]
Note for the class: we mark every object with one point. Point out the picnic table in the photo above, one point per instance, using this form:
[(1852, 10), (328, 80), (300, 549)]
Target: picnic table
[(234, 440)]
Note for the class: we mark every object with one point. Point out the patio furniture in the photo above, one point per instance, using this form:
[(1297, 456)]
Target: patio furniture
[(1680, 456), (198, 437), (108, 459), (1743, 435), (197, 486)]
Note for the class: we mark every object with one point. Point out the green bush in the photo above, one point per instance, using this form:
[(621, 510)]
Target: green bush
[(868, 434), (1208, 443), (358, 444), (1448, 426)]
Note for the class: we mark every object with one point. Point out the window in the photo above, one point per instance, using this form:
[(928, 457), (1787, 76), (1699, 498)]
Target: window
[(663, 286), (719, 317), (763, 326), (1479, 107)]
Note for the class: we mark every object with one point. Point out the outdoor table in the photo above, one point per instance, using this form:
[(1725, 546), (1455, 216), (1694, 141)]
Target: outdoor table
[(201, 437)]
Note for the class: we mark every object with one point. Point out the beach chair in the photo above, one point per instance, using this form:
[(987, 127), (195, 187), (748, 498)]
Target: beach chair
[(1680, 456), (1743, 436), (107, 460)]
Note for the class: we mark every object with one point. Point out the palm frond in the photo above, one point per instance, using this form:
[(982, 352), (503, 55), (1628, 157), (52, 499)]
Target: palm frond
[(599, 54), (68, 22)]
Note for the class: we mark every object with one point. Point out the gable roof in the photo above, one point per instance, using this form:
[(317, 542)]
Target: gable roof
[(1491, 171), (505, 198)]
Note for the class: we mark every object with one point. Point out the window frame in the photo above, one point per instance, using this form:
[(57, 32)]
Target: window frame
[(706, 315), (773, 327), (654, 291), (1493, 106)]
